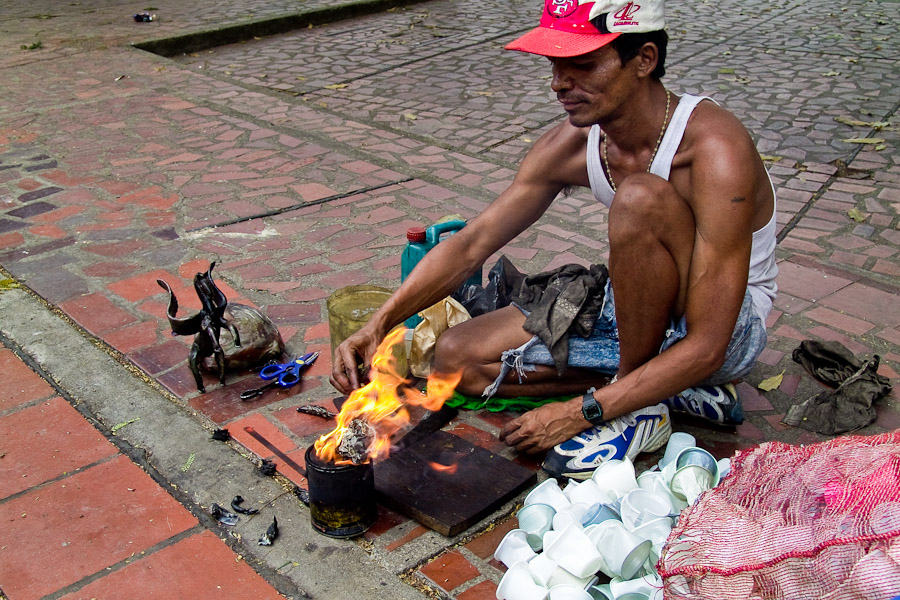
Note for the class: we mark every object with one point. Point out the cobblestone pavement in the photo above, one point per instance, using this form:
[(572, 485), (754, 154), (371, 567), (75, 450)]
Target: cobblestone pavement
[(297, 161)]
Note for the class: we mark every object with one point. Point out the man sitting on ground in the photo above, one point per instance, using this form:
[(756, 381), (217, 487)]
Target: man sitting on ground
[(691, 262)]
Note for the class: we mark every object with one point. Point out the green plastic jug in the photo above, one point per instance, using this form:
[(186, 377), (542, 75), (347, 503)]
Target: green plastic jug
[(419, 240)]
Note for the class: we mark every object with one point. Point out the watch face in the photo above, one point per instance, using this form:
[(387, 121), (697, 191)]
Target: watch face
[(591, 409)]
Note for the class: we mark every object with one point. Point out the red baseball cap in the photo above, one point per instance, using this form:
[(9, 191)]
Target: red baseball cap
[(574, 27)]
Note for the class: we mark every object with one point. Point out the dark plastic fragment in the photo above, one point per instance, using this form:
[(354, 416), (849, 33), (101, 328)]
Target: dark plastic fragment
[(271, 533), (236, 506)]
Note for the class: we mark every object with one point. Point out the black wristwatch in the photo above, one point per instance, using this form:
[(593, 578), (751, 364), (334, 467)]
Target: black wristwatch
[(591, 409)]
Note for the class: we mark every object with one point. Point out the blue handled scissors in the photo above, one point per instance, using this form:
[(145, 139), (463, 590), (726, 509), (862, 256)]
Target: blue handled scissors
[(284, 375)]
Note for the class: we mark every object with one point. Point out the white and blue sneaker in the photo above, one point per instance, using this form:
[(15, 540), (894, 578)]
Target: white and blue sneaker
[(644, 430), (717, 403)]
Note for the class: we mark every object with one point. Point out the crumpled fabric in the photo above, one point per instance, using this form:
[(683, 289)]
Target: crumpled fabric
[(562, 302), (857, 385)]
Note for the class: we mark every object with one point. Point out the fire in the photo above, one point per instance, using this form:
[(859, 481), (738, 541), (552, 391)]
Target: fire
[(381, 404), (448, 469)]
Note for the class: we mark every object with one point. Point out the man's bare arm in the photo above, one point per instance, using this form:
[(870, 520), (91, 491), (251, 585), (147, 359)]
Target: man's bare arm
[(552, 164)]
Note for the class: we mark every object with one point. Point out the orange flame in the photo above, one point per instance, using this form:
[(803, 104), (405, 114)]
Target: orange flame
[(448, 469), (382, 403)]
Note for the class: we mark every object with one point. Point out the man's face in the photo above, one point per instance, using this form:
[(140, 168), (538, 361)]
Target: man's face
[(589, 86)]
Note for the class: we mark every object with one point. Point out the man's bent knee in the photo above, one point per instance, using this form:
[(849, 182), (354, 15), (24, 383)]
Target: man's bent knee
[(647, 208), (450, 353), (644, 195)]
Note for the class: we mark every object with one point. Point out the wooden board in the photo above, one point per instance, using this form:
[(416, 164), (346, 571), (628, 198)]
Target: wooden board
[(448, 502)]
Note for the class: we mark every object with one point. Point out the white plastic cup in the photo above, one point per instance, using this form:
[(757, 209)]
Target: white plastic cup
[(655, 481), (700, 458), (593, 532), (517, 584), (571, 515), (541, 568), (656, 531), (690, 481), (536, 520), (575, 552), (724, 467), (586, 492), (514, 548), (549, 537), (562, 577), (615, 477), (548, 492), (597, 514), (640, 506), (568, 592), (645, 587), (684, 477), (600, 592), (622, 552), (678, 441)]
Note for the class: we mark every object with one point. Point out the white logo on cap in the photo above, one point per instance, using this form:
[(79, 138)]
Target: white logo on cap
[(561, 8), (626, 14)]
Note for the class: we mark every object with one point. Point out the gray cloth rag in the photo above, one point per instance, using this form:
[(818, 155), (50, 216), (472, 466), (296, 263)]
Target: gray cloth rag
[(857, 385), (562, 302)]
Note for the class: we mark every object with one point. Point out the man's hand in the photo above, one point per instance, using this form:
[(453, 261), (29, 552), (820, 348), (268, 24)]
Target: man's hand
[(544, 427), (355, 351)]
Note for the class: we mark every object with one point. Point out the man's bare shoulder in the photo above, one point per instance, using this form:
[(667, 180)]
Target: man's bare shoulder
[(713, 131), (560, 154), (717, 159)]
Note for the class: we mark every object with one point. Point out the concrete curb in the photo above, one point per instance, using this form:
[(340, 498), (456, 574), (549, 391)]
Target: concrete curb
[(203, 40)]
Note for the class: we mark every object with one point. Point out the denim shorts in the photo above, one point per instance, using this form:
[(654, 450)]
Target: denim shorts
[(600, 350)]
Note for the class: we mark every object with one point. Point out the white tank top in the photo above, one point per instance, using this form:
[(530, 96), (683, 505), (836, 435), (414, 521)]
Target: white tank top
[(761, 279)]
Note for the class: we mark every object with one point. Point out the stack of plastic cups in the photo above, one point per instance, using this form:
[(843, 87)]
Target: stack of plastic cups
[(613, 523)]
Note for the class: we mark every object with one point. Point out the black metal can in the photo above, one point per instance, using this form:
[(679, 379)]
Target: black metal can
[(341, 497)]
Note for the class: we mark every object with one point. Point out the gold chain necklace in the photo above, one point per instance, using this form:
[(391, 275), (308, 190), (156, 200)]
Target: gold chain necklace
[(655, 150)]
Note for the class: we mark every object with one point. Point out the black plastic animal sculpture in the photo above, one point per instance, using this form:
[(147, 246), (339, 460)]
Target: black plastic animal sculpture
[(251, 337)]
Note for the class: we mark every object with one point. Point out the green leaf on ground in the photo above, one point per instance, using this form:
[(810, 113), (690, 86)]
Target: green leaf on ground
[(336, 86), (724, 71), (115, 428), (187, 464), (769, 157), (864, 140), (772, 383), (857, 123), (856, 214)]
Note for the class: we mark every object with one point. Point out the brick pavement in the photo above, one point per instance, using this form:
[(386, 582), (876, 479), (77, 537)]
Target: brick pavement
[(298, 161), (81, 520)]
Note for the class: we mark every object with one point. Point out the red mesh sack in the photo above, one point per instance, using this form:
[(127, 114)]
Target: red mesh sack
[(794, 522)]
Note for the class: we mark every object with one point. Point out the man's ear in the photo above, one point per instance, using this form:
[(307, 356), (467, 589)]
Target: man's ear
[(646, 59)]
